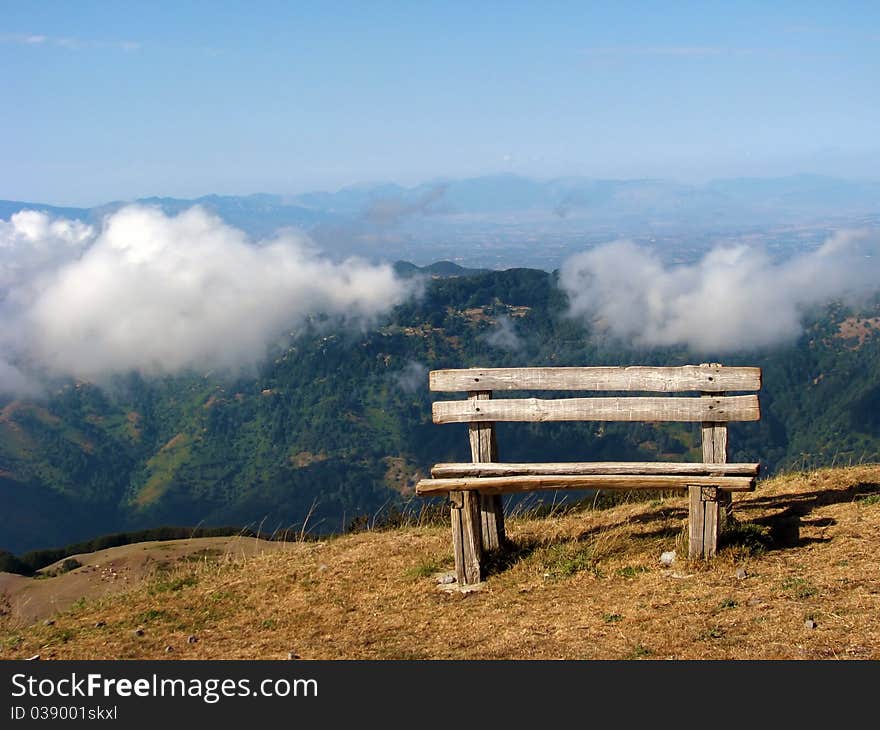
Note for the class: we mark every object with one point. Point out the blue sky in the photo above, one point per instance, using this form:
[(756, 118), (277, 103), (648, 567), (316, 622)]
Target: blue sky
[(105, 101)]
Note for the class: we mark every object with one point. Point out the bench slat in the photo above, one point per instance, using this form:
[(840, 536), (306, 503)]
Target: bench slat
[(497, 469), (528, 483), (708, 378), (721, 408)]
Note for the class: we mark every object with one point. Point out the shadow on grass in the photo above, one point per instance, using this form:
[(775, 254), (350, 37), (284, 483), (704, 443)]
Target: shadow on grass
[(782, 529), (505, 557), (664, 533), (776, 531)]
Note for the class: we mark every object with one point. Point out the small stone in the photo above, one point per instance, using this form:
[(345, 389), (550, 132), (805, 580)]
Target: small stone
[(139, 631), (741, 574), (292, 655), (809, 624), (446, 579), (192, 639), (754, 602), (49, 622), (169, 649), (668, 557)]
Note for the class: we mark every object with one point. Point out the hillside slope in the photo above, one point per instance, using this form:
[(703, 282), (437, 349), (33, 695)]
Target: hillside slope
[(798, 579), (338, 422)]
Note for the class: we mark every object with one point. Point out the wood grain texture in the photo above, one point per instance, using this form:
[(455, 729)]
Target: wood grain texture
[(484, 448), (703, 521), (707, 506), (440, 471), (714, 442), (649, 409), (466, 538), (695, 523), (529, 482), (708, 378), (456, 502)]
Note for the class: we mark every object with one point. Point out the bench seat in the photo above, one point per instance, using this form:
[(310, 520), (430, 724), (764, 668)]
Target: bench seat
[(501, 478)]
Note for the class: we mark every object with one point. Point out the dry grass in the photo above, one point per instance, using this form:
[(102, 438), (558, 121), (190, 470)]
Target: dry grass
[(583, 584)]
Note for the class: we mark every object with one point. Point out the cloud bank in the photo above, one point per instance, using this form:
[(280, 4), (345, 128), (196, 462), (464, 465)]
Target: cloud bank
[(735, 298), (161, 294)]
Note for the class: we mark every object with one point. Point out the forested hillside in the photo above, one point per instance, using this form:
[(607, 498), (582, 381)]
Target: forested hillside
[(337, 423)]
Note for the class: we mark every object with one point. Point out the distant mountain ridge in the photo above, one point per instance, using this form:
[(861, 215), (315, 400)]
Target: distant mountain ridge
[(506, 193), (9, 207), (406, 269), (504, 221)]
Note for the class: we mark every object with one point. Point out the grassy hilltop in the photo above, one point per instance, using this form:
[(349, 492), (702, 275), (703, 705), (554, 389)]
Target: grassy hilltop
[(797, 579)]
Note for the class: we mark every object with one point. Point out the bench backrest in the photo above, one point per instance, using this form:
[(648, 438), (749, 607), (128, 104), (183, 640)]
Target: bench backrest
[(712, 382)]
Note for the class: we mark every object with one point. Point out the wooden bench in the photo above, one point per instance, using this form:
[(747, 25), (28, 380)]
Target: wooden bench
[(475, 488)]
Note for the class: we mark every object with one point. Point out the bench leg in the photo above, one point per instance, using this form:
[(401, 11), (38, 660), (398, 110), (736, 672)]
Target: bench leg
[(713, 516), (725, 510), (466, 538), (703, 521), (492, 521), (484, 447)]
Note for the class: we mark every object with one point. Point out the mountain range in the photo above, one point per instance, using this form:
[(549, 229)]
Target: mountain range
[(469, 216)]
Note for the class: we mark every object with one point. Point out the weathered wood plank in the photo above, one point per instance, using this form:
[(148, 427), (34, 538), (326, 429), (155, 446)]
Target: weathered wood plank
[(473, 548), (440, 471), (728, 408), (714, 437), (706, 505), (456, 502), (714, 442), (529, 482), (702, 521), (466, 537), (484, 448), (709, 378), (492, 532)]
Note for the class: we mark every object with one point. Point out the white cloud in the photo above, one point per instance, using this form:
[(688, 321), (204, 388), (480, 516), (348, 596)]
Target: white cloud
[(14, 381), (734, 298), (72, 44), (31, 242), (413, 377), (504, 335), (161, 294)]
